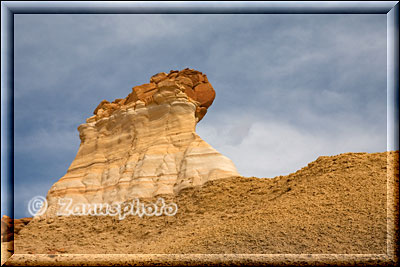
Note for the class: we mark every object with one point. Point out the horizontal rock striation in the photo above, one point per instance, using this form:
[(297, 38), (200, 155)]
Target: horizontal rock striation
[(145, 145)]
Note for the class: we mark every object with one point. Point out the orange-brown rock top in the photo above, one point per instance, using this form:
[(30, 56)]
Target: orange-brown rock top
[(191, 82)]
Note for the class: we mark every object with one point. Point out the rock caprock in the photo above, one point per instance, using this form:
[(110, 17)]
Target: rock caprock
[(144, 145)]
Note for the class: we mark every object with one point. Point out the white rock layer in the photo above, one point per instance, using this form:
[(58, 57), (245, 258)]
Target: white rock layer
[(141, 151)]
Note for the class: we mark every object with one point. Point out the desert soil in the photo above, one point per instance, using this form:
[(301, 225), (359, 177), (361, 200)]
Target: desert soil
[(335, 205)]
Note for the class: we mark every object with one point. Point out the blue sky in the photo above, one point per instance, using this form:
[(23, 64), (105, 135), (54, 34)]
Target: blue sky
[(289, 88)]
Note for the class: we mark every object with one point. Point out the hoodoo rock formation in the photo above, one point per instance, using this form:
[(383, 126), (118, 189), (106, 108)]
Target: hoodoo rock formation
[(145, 145)]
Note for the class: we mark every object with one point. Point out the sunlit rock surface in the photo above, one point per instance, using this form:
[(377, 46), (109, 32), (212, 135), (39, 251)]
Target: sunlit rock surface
[(145, 145)]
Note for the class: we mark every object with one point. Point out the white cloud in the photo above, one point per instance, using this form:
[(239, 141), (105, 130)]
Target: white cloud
[(271, 148)]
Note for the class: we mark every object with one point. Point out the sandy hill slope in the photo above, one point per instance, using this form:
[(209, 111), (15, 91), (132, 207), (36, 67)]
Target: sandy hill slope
[(337, 204)]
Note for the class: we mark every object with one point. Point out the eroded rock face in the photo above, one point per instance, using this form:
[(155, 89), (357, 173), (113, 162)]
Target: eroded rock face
[(145, 145), (191, 82)]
